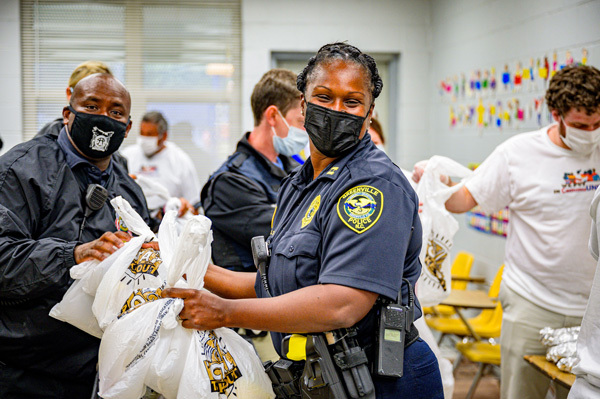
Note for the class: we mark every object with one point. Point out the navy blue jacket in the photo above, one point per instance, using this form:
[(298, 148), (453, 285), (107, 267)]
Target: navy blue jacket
[(41, 210), (240, 198)]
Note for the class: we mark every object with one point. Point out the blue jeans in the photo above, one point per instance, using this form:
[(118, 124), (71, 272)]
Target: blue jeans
[(421, 377)]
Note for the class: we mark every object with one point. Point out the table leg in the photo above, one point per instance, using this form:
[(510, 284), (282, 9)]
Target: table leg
[(464, 320)]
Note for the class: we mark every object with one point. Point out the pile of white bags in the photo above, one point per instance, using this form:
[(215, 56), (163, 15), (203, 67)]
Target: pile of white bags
[(439, 227), (143, 342), (562, 346)]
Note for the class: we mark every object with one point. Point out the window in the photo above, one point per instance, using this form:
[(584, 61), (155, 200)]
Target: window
[(181, 58)]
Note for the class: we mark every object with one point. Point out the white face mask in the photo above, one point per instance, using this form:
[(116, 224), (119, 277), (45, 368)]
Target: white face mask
[(581, 141), (295, 141), (149, 144)]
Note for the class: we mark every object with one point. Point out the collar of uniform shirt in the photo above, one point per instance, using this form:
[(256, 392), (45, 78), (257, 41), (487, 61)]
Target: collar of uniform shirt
[(331, 172), (73, 159)]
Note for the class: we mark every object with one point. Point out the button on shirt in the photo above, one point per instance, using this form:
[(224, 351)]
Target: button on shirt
[(350, 226)]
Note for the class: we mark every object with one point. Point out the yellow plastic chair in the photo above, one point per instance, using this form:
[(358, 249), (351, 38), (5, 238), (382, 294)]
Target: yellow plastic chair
[(460, 267), (487, 324), (484, 353)]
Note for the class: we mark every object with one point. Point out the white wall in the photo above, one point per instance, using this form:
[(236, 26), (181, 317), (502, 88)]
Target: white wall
[(477, 34), (10, 74), (385, 26)]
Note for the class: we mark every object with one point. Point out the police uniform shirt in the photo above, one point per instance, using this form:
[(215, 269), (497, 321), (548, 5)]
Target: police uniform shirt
[(350, 226)]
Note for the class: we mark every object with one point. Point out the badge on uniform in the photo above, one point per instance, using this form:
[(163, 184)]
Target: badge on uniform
[(360, 208), (310, 213)]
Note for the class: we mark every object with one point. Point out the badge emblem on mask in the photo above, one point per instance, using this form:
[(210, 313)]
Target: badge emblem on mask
[(100, 139)]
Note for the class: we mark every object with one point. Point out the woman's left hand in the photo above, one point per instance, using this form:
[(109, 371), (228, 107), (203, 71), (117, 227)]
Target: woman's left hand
[(202, 310)]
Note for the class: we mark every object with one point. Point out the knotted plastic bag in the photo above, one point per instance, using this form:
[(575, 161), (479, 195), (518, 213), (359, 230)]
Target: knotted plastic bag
[(439, 228)]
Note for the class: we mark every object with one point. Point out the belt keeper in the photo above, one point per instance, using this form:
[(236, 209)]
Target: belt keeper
[(411, 336), (345, 360)]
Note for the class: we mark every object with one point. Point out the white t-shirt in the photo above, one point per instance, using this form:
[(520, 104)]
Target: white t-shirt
[(171, 167), (548, 190), (587, 384)]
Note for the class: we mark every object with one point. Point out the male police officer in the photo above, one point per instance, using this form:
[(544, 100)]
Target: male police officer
[(240, 196), (42, 185)]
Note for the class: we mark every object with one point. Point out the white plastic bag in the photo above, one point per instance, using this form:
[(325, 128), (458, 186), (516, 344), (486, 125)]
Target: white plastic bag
[(156, 194), (439, 227), (158, 198), (135, 277), (148, 346), (76, 306), (222, 364)]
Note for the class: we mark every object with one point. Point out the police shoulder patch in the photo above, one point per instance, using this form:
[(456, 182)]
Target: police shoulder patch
[(360, 208)]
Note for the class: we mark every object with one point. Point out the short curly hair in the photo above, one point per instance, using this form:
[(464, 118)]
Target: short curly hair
[(575, 86), (342, 51)]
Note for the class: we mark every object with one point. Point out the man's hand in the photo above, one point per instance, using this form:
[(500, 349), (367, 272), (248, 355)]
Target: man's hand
[(151, 244), (418, 170), (185, 207), (202, 310), (101, 248)]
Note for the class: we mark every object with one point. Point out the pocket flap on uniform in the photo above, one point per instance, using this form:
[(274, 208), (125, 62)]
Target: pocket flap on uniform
[(300, 244)]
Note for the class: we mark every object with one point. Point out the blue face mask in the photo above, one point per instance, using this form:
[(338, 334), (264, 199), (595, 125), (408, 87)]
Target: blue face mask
[(295, 141)]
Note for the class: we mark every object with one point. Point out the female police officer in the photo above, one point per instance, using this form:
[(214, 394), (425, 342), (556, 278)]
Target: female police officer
[(341, 233)]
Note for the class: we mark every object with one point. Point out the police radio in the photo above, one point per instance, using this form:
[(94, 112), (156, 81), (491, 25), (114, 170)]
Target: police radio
[(394, 321), (95, 197), (261, 256)]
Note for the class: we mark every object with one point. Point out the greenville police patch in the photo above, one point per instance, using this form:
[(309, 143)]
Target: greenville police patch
[(360, 208)]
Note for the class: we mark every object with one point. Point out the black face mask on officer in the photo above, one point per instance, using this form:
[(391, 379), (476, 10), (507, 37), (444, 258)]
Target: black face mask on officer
[(332, 132), (96, 136)]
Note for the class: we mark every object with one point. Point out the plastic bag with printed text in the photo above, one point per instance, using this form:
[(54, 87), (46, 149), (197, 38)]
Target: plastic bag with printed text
[(76, 306), (145, 345), (135, 277), (439, 228)]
